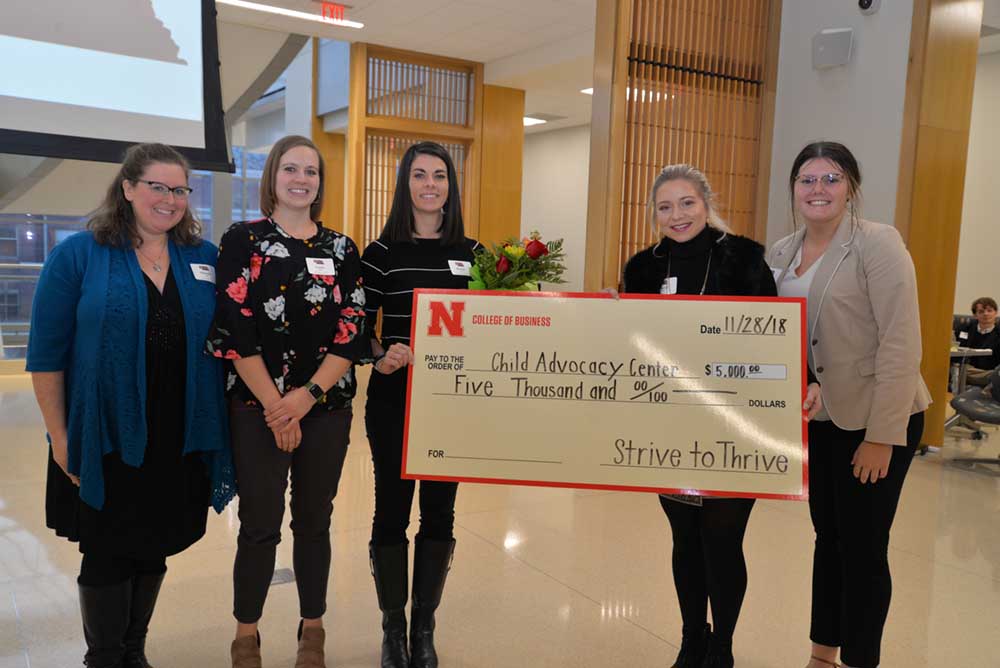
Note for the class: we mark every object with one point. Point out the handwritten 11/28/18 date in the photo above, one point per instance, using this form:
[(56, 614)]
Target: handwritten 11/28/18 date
[(749, 325)]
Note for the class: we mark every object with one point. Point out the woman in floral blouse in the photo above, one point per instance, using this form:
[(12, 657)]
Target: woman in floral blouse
[(290, 321)]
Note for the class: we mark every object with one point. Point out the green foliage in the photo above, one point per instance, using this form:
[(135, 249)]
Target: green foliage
[(523, 273)]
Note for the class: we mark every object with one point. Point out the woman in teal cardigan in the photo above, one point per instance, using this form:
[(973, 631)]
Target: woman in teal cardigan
[(136, 421)]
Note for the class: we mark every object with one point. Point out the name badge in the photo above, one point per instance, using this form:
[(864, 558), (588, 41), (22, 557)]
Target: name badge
[(669, 286), (963, 335), (321, 266), (460, 267), (203, 272)]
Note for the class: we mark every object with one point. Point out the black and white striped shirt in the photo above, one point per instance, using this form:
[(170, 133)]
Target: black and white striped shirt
[(392, 270)]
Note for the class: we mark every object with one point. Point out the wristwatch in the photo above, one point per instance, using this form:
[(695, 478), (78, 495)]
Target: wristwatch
[(315, 390)]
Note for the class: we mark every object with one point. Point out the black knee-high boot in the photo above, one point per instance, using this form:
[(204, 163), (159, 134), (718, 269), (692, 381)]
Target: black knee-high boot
[(431, 563), (720, 653), (389, 570), (694, 647), (145, 590), (105, 612)]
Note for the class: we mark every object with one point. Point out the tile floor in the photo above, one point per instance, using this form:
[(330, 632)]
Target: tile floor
[(542, 577)]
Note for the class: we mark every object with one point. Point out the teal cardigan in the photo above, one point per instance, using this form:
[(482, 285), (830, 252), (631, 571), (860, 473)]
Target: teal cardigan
[(89, 321)]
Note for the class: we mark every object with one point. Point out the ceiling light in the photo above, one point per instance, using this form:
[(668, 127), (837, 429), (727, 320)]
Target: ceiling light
[(587, 91), (529, 121), (290, 13)]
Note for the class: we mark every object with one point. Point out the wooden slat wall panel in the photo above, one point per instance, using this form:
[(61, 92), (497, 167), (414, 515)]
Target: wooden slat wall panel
[(399, 98), (694, 94), (420, 91)]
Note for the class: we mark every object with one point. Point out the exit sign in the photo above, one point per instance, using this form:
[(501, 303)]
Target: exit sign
[(332, 11)]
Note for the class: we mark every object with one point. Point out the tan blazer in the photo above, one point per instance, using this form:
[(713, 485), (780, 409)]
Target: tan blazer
[(865, 328)]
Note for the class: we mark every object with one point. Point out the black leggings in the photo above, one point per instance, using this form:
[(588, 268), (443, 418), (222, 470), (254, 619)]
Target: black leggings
[(708, 561), (851, 581), (104, 570), (384, 417)]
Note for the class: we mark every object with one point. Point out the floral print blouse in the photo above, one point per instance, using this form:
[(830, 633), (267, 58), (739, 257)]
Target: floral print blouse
[(292, 301)]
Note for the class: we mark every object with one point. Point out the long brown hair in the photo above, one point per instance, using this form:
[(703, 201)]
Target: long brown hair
[(268, 199), (113, 223)]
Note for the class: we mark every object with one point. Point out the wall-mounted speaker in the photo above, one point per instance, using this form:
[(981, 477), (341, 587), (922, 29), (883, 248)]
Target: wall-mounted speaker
[(832, 47)]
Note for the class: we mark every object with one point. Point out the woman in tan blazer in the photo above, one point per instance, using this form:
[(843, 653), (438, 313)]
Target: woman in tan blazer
[(864, 349)]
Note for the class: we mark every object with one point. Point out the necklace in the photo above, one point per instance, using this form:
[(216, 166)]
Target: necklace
[(156, 263), (708, 267)]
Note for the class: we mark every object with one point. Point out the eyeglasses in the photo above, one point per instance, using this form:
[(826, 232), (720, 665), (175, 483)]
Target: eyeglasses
[(809, 180), (162, 189)]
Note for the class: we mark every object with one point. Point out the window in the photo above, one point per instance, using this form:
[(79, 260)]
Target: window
[(25, 242), (8, 243), (246, 183), (200, 201), (10, 301)]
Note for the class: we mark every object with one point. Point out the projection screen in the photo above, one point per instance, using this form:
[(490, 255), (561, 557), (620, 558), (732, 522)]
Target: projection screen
[(84, 79)]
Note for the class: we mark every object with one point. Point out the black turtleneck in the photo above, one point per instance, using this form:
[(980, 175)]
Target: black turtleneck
[(737, 266), (688, 261)]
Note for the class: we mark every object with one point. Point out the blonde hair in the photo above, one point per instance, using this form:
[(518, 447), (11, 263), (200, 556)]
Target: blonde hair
[(696, 178)]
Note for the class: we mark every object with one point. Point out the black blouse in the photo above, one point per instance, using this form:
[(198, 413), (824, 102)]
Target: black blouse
[(282, 298)]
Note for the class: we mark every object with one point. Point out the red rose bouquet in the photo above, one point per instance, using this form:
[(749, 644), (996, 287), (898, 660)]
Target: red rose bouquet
[(518, 265)]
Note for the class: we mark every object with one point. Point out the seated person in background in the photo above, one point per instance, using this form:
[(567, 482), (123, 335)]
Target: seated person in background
[(982, 333)]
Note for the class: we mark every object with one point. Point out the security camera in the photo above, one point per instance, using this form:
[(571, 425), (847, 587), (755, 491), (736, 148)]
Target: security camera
[(869, 6)]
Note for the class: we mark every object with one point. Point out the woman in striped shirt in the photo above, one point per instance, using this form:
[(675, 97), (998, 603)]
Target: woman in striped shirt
[(423, 245)]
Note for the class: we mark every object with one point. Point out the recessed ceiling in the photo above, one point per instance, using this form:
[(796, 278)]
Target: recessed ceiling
[(544, 47)]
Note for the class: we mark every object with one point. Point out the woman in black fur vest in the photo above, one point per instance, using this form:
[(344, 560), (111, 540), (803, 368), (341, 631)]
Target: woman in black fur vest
[(698, 255)]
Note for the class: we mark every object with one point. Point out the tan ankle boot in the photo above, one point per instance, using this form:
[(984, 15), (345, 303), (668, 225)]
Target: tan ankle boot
[(311, 642), (245, 652)]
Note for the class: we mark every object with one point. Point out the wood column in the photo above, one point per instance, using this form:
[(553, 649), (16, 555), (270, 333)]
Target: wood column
[(502, 164), (937, 115)]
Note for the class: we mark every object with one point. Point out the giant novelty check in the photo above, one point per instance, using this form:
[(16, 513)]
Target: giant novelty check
[(693, 395)]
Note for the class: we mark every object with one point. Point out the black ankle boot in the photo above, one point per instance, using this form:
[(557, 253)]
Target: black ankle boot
[(389, 570), (145, 590), (105, 613), (720, 653), (431, 563), (694, 647)]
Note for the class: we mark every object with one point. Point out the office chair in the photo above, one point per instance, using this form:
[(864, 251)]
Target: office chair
[(975, 405)]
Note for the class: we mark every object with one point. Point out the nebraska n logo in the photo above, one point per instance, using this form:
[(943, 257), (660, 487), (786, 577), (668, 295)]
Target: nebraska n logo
[(451, 321)]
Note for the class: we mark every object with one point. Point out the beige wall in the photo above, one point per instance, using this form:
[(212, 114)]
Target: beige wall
[(554, 193), (859, 104), (979, 247)]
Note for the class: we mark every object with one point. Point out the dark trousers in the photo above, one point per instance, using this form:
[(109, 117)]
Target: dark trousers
[(708, 561), (851, 581), (103, 570), (262, 476), (384, 416)]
